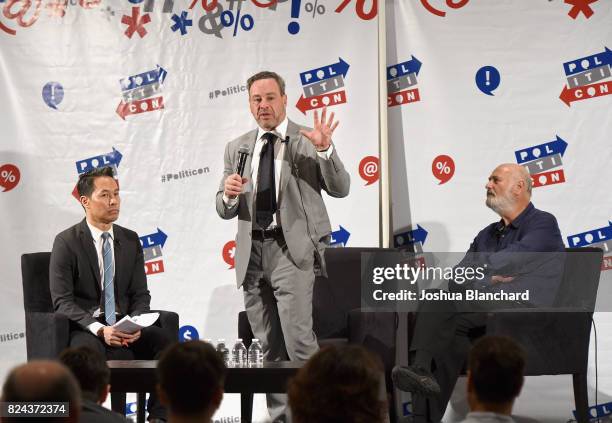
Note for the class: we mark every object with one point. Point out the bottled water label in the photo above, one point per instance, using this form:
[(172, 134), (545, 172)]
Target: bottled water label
[(224, 352), (255, 354), (239, 354)]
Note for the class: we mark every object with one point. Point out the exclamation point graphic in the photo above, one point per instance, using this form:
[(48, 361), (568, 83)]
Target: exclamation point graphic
[(294, 26), (487, 78)]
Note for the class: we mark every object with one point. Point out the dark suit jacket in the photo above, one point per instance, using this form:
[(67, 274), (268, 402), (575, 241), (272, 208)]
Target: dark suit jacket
[(74, 274), (94, 413)]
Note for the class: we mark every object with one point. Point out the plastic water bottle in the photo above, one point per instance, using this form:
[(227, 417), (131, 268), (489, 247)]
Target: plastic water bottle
[(255, 354), (224, 352), (239, 354)]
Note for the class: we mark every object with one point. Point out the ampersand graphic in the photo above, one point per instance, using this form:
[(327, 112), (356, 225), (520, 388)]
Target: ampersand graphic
[(215, 25)]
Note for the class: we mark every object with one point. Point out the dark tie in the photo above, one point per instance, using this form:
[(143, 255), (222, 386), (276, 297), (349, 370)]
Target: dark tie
[(265, 204), (109, 289)]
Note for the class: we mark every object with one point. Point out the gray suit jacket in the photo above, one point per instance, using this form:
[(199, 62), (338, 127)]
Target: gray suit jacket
[(303, 215)]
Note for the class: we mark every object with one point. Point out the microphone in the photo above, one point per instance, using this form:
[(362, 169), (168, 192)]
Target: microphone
[(243, 152), (499, 232), (286, 140)]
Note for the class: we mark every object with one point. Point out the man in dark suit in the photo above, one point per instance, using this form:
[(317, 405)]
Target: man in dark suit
[(522, 252), (97, 277), (90, 370), (283, 226)]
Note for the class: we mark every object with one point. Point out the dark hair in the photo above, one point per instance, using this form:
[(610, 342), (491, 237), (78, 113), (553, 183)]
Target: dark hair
[(89, 368), (338, 384), (267, 75), (42, 381), (85, 185), (496, 367), (190, 373)]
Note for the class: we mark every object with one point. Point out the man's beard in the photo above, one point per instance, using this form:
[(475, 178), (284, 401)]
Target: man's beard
[(499, 203)]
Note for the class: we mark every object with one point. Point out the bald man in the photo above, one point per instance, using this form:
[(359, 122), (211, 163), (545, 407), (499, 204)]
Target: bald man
[(441, 341), (42, 381)]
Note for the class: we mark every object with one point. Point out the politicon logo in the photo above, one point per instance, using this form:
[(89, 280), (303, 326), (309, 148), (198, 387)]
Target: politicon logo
[(402, 81), (323, 87), (141, 93), (544, 162), (598, 237), (587, 77), (112, 159), (152, 248)]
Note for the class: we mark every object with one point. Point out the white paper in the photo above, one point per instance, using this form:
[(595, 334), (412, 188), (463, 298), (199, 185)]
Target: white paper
[(134, 324)]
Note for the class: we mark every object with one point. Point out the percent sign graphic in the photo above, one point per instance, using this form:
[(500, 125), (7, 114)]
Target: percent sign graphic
[(228, 19), (443, 168), (9, 177), (315, 8), (360, 8)]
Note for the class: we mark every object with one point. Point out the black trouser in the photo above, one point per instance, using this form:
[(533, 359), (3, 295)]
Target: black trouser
[(441, 343), (153, 340)]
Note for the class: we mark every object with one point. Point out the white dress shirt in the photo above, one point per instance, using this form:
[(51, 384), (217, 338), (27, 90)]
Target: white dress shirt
[(96, 234), (279, 152)]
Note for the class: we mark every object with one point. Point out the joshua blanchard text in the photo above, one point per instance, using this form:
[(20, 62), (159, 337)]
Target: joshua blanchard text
[(467, 295)]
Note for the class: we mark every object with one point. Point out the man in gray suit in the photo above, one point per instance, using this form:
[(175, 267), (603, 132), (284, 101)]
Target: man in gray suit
[(283, 227)]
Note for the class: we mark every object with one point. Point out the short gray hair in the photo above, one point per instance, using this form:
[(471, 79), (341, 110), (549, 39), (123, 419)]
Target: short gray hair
[(267, 75)]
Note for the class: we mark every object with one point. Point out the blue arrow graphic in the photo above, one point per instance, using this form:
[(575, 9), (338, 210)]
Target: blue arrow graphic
[(146, 78), (410, 237), (110, 159), (340, 236), (547, 149), (411, 66), (319, 74), (156, 238), (605, 57), (596, 235)]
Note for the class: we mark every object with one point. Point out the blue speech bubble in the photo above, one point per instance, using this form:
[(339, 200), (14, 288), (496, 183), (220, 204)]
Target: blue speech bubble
[(487, 79), (53, 94)]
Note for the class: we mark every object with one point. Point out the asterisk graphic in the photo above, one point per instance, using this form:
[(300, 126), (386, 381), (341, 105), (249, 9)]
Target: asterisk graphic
[(181, 22), (580, 6), (136, 23)]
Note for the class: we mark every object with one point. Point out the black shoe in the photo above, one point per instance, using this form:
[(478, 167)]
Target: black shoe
[(415, 379)]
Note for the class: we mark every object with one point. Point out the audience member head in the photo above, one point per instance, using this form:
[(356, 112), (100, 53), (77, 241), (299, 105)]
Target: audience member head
[(191, 376), (495, 374), (90, 370), (42, 381), (338, 384), (508, 190)]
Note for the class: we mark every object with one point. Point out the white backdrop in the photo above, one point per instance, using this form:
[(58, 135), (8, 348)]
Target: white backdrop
[(434, 46), (528, 43), (45, 136)]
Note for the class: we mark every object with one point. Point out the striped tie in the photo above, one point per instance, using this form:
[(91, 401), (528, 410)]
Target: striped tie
[(109, 291)]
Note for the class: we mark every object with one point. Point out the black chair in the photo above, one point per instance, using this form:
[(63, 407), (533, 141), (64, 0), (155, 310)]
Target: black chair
[(556, 340), (48, 333), (337, 314)]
